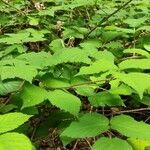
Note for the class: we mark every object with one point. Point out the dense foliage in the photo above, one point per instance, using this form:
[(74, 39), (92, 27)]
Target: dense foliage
[(75, 74)]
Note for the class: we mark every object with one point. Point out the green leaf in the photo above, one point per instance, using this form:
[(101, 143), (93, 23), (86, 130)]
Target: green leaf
[(88, 125), (137, 51), (14, 141), (97, 67), (65, 101), (105, 99), (11, 121), (138, 81), (13, 48), (129, 127), (146, 28), (122, 89), (51, 82), (9, 87), (23, 36), (85, 90), (113, 45), (32, 95), (57, 45), (135, 63), (37, 60), (25, 72), (7, 108), (69, 55), (111, 144), (139, 144), (33, 21), (100, 55), (135, 22), (147, 47), (84, 3)]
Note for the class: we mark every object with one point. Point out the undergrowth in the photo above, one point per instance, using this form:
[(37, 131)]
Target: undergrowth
[(75, 74)]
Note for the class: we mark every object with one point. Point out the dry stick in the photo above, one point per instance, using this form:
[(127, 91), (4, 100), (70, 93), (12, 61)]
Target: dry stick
[(75, 145), (88, 143), (147, 119), (106, 18), (132, 110), (8, 99), (127, 111)]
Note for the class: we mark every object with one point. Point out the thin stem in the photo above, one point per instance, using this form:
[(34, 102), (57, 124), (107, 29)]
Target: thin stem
[(126, 111), (106, 18), (134, 110), (19, 11), (81, 84)]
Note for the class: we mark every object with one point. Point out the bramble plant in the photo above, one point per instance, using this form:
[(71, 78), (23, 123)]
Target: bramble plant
[(75, 74)]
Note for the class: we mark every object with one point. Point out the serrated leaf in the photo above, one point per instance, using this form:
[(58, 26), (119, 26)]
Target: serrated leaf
[(25, 72), (135, 22), (57, 45), (35, 59), (146, 28), (111, 144), (139, 144), (65, 101), (85, 90), (105, 99), (32, 95), (24, 36), (72, 55), (88, 125), (100, 55), (11, 121), (14, 141), (52, 82), (138, 81), (129, 127), (137, 51), (9, 86), (135, 63), (13, 48), (122, 90), (97, 67), (12, 62), (113, 45)]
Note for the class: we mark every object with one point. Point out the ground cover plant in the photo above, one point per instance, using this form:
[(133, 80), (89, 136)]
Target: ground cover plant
[(74, 75)]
